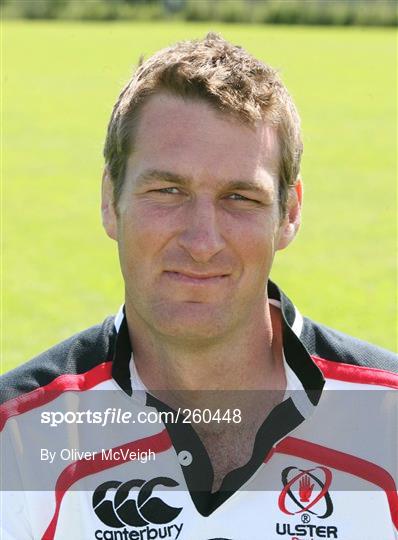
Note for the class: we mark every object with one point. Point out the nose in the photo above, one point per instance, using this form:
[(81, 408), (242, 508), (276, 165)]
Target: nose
[(201, 236)]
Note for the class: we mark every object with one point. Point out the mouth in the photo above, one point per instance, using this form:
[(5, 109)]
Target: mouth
[(192, 278)]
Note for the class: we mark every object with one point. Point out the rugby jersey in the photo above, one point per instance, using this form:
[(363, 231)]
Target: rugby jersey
[(324, 461)]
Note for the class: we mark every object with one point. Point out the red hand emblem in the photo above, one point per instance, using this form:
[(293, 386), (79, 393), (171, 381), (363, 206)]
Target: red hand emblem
[(305, 488)]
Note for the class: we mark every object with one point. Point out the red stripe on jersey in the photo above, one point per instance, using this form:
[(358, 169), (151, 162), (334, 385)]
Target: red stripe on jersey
[(356, 374), (344, 462), (82, 468), (45, 394)]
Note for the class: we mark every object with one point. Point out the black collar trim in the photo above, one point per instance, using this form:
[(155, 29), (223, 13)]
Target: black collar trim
[(121, 357)]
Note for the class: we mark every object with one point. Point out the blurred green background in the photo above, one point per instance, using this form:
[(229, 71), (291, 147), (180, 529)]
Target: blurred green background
[(59, 83), (323, 12)]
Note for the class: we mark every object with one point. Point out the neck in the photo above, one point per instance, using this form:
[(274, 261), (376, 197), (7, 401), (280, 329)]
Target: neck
[(248, 358)]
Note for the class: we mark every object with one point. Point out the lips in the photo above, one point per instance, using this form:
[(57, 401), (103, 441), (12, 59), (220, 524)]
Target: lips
[(195, 278)]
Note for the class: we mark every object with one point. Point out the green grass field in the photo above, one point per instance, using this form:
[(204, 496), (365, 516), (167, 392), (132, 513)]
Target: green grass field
[(59, 82)]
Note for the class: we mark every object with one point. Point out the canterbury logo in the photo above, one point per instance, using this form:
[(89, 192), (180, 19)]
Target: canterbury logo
[(131, 503)]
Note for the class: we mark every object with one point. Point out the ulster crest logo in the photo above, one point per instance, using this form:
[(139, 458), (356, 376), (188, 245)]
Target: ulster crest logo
[(306, 490)]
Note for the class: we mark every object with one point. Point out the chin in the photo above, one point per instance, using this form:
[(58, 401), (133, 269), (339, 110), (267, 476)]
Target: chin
[(195, 322)]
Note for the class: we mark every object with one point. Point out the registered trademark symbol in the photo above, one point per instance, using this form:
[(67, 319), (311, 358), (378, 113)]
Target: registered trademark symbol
[(305, 518)]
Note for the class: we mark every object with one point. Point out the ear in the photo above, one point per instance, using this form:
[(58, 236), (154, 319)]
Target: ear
[(109, 218), (291, 221)]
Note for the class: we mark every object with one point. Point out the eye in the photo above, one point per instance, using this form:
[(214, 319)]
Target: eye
[(170, 190), (238, 197)]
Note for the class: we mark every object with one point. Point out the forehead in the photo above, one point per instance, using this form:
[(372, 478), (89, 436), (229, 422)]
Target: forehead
[(190, 137)]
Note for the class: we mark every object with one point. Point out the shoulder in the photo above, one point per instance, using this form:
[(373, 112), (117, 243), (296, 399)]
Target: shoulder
[(341, 356), (65, 362)]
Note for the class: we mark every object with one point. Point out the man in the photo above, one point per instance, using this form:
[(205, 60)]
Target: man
[(201, 187)]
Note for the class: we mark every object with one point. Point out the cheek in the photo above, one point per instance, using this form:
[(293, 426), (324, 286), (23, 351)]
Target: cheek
[(256, 239), (257, 255), (142, 233)]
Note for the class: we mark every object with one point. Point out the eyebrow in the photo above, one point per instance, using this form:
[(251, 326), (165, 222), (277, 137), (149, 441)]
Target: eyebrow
[(246, 185), (150, 175)]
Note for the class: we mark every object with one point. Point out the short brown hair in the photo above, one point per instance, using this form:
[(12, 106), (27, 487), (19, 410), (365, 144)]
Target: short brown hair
[(222, 74)]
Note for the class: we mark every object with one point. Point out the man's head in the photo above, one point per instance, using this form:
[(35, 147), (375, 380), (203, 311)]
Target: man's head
[(223, 75), (194, 185)]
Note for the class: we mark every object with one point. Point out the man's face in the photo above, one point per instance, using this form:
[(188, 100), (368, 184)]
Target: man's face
[(198, 219)]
